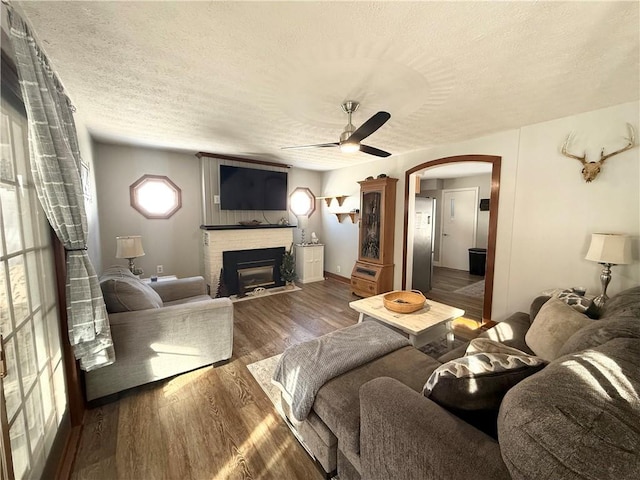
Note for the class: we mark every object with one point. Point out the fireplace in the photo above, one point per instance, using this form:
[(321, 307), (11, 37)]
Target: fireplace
[(244, 270)]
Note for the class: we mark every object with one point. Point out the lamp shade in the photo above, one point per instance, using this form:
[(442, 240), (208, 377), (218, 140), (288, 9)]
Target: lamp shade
[(610, 248), (129, 247)]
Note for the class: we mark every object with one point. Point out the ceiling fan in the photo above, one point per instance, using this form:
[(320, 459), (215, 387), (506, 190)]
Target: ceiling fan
[(351, 137)]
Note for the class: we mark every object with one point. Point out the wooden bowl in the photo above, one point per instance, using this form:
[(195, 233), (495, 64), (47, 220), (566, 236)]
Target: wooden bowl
[(403, 301)]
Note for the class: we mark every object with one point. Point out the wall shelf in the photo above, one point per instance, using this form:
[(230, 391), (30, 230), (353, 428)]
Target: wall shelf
[(342, 215), (339, 198)]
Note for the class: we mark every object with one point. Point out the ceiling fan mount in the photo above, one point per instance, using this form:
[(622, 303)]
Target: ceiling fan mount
[(351, 136), (348, 107)]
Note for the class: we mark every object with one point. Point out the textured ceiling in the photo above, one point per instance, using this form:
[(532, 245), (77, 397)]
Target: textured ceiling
[(246, 78)]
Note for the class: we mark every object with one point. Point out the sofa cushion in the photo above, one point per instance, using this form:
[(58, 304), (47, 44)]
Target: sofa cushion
[(624, 304), (480, 379), (182, 301), (124, 292), (600, 332), (511, 332), (555, 323), (576, 419), (337, 403)]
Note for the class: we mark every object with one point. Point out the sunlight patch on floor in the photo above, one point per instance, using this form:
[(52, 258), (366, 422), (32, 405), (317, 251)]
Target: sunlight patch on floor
[(176, 384)]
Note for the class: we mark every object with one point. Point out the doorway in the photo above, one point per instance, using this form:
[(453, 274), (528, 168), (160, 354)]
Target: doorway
[(462, 166)]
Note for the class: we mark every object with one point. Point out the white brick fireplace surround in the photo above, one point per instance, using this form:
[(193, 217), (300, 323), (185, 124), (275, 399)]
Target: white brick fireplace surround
[(222, 239)]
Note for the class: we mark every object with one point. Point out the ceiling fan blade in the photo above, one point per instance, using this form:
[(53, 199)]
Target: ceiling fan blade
[(319, 145), (370, 126), (373, 151)]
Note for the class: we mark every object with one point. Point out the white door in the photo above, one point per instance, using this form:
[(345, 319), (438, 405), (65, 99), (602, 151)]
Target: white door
[(459, 223)]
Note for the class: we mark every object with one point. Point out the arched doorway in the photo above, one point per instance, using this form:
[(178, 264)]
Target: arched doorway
[(494, 161)]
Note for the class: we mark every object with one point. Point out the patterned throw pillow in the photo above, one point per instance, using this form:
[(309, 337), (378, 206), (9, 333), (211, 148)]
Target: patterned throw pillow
[(479, 380), (574, 300)]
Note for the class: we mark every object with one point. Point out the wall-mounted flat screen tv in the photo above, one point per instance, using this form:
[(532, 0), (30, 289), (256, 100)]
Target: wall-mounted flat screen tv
[(252, 189)]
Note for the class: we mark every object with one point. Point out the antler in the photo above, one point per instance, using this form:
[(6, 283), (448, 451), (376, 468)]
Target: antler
[(632, 143), (570, 155)]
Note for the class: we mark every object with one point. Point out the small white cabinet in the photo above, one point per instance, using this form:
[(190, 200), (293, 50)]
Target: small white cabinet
[(310, 263)]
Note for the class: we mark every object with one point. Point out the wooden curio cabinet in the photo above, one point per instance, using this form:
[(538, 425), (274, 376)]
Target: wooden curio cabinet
[(373, 272)]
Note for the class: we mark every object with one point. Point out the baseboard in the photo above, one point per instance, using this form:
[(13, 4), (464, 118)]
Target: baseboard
[(59, 464), (338, 278), (69, 456)]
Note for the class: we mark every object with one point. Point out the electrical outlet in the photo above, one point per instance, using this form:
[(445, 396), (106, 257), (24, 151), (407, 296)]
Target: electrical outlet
[(216, 199), (338, 269), (160, 269)]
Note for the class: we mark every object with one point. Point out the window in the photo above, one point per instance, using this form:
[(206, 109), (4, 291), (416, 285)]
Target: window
[(34, 388), (155, 196), (302, 202)]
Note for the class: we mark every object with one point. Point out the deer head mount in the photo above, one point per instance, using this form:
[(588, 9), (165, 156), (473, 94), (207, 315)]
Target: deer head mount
[(590, 170)]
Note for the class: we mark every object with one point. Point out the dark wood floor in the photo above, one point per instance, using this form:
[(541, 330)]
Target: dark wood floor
[(445, 281), (215, 423)]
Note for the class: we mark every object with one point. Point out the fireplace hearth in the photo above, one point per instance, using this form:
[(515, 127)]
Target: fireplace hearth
[(244, 270)]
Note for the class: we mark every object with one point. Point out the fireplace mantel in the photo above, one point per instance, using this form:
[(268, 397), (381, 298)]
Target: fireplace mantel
[(244, 227)]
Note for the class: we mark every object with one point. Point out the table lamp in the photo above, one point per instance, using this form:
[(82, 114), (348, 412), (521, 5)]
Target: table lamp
[(130, 247), (303, 222), (608, 249)]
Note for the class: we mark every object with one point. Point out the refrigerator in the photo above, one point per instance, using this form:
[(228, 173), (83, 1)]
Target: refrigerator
[(423, 243)]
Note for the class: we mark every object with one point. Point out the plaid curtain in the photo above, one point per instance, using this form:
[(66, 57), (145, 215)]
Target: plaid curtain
[(55, 164)]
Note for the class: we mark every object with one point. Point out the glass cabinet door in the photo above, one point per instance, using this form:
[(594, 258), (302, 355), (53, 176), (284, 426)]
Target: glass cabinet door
[(370, 225)]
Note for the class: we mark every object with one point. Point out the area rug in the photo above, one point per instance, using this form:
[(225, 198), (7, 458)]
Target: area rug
[(262, 371), (473, 290), (265, 293)]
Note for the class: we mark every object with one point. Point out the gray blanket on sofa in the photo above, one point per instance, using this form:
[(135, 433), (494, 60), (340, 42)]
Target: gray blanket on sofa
[(304, 368)]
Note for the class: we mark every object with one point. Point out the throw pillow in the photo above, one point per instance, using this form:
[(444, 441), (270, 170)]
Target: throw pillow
[(124, 292), (487, 345), (555, 323), (579, 302), (478, 381)]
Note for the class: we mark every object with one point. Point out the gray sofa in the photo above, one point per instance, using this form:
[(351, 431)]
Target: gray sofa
[(576, 418), (159, 330)]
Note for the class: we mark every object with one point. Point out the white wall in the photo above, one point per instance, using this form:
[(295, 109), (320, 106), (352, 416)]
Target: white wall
[(86, 145), (556, 210), (174, 242), (546, 211)]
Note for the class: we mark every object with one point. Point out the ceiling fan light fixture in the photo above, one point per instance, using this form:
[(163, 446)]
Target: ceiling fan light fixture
[(351, 137), (349, 147)]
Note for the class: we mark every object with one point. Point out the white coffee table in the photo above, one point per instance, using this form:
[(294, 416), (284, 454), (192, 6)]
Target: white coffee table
[(430, 323)]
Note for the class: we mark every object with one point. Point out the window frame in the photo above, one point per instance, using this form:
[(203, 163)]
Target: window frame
[(135, 203), (311, 196)]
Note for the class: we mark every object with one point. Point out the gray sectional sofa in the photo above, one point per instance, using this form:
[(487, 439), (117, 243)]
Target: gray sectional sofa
[(576, 418), (159, 330)]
